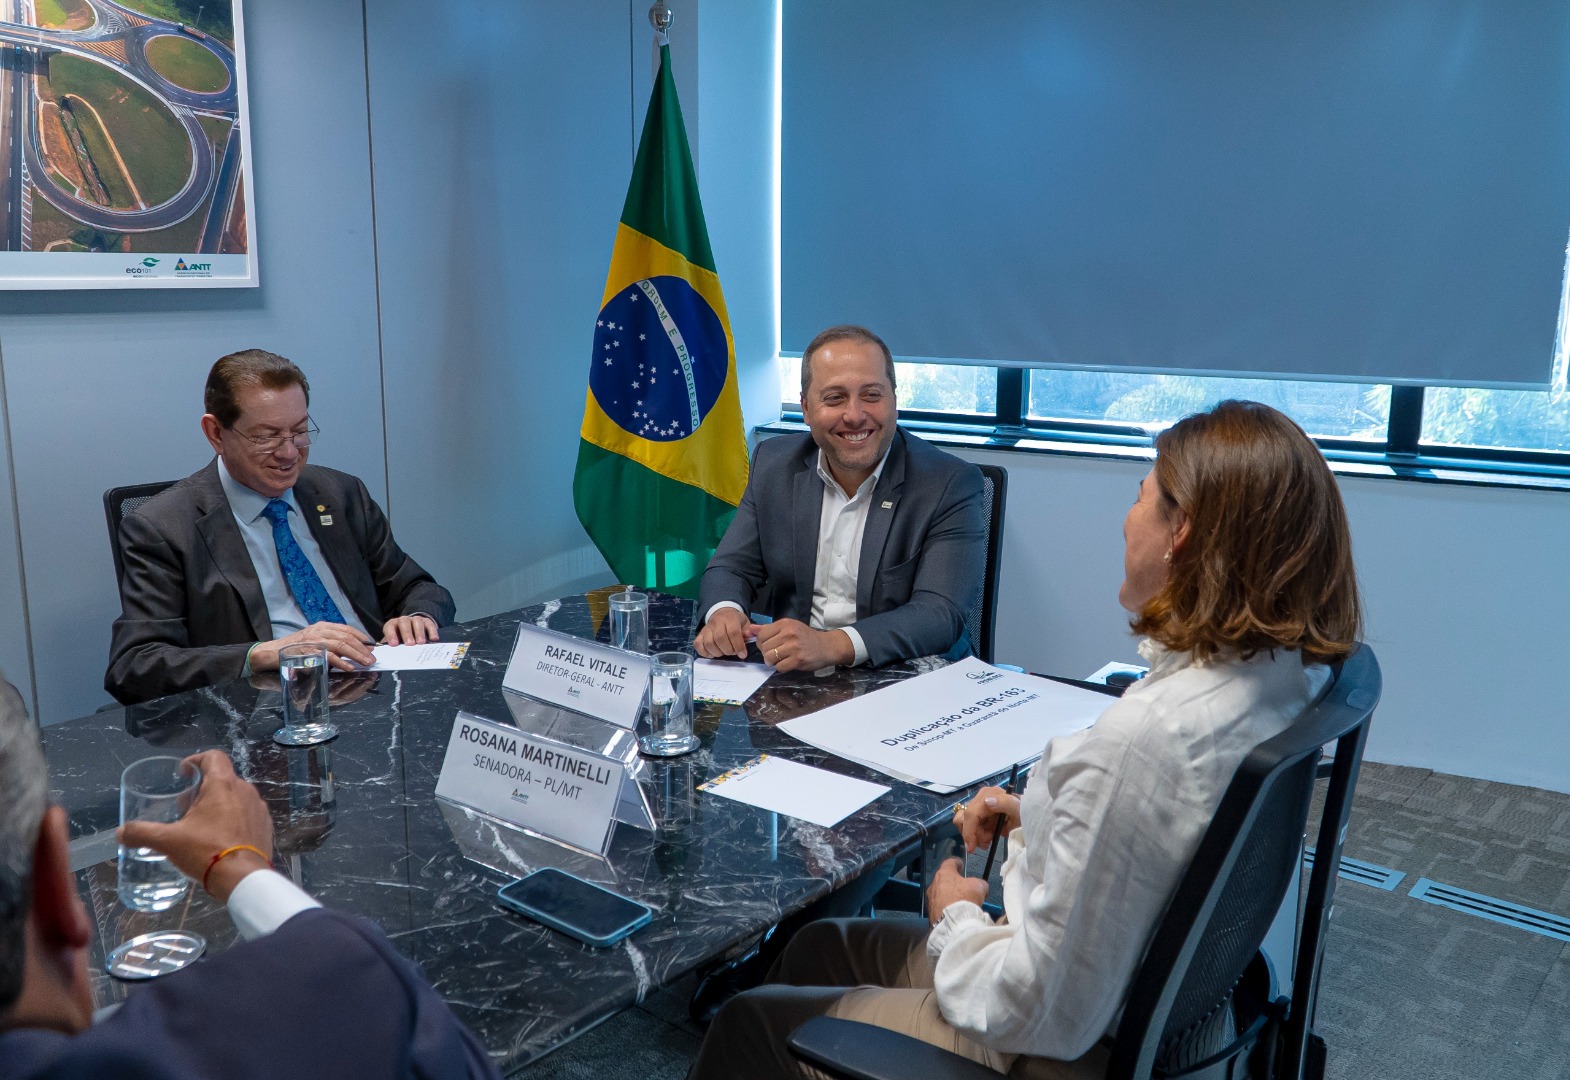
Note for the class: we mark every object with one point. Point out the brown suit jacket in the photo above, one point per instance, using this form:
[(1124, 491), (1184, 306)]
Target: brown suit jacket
[(190, 604)]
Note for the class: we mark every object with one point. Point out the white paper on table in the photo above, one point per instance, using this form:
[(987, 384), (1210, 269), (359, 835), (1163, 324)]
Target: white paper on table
[(730, 682), (801, 791), (951, 727), (432, 656)]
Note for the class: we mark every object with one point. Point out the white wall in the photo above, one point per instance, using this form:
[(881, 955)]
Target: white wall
[(736, 89), (500, 176), (104, 388), (15, 654), (1466, 592), (458, 304), (501, 135)]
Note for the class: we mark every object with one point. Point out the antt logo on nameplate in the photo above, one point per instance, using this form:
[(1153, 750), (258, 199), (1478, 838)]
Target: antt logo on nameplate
[(554, 790), (578, 674)]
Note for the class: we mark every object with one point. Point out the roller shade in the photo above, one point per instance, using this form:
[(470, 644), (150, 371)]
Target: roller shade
[(1361, 190)]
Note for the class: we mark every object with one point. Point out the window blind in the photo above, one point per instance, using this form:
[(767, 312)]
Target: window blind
[(1365, 190)]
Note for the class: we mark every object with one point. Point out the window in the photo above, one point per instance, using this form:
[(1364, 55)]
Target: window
[(1500, 420), (1326, 410), (1509, 427), (1512, 428), (1418, 427)]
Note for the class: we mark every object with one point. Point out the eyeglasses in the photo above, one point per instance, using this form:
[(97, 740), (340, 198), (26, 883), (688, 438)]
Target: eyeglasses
[(271, 444)]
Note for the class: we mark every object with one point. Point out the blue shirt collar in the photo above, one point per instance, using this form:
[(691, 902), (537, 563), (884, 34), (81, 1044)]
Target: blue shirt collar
[(246, 503)]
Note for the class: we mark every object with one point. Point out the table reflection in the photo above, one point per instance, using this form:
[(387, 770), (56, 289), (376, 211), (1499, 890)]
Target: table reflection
[(358, 826)]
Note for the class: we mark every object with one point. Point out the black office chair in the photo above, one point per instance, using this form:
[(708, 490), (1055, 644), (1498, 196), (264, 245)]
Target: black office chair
[(983, 613), (119, 502), (1203, 977)]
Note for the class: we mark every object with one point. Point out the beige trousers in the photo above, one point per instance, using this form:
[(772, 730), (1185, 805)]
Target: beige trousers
[(872, 970)]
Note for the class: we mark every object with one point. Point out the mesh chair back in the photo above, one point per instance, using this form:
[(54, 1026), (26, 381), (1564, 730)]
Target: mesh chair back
[(1179, 1006), (1271, 855), (119, 502), (983, 613)]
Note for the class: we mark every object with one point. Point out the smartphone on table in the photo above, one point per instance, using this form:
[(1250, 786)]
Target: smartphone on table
[(577, 908)]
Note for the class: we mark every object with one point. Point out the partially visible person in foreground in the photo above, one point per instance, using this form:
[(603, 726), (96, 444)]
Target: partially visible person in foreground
[(312, 993), (1238, 572)]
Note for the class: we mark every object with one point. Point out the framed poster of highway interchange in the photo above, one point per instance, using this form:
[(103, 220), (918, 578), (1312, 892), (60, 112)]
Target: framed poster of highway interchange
[(125, 133)]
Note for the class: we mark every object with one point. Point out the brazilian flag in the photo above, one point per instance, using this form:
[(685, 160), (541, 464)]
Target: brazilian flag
[(662, 460)]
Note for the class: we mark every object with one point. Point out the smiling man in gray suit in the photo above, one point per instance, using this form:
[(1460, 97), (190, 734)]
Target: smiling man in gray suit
[(864, 544), (260, 550)]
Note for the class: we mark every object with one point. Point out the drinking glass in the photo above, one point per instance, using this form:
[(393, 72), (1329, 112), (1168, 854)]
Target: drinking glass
[(670, 707), (154, 789), (303, 671), (630, 621)]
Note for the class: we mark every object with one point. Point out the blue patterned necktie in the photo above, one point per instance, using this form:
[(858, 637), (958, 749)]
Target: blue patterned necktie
[(298, 573)]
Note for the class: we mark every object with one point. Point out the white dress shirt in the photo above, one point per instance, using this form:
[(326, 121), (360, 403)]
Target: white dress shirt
[(257, 531), (1111, 819), (265, 900), (841, 525)]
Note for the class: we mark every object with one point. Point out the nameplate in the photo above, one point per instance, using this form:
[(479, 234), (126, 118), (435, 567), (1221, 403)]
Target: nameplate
[(532, 782), (577, 674)]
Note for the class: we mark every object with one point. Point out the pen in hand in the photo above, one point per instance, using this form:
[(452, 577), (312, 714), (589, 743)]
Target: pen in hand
[(997, 826)]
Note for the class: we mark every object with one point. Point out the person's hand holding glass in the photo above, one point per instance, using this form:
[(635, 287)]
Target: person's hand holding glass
[(225, 814), (155, 789), (182, 820)]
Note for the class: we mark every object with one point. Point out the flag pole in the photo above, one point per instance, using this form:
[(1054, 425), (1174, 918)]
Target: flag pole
[(661, 17), (662, 454)]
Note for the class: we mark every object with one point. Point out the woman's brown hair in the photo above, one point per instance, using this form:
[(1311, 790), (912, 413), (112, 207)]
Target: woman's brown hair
[(1268, 558)]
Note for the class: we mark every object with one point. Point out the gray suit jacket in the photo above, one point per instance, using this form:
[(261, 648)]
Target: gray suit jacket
[(190, 604), (923, 553)]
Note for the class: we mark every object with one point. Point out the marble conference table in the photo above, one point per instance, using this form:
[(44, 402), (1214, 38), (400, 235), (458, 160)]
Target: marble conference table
[(358, 826)]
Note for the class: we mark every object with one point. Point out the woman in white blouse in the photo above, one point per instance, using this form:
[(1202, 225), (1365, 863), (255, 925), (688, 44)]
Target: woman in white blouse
[(1238, 572)]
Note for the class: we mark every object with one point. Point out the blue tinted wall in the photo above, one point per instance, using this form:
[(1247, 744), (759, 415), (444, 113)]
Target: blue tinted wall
[(437, 194)]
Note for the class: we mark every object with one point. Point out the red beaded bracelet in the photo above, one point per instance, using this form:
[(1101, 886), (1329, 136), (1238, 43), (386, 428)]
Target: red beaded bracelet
[(225, 853)]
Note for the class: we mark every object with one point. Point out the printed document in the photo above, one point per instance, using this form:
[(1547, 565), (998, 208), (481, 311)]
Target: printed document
[(789, 787), (951, 727), (729, 682), (432, 656)]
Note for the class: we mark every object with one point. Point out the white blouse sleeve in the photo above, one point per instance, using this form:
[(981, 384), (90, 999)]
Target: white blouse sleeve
[(1048, 981)]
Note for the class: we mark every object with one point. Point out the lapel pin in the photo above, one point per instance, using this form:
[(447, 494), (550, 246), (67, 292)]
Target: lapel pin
[(320, 509), (327, 519), (888, 505)]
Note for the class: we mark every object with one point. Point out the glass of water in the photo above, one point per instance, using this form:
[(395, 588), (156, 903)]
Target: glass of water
[(670, 707), (154, 789), (303, 671), (630, 621)]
